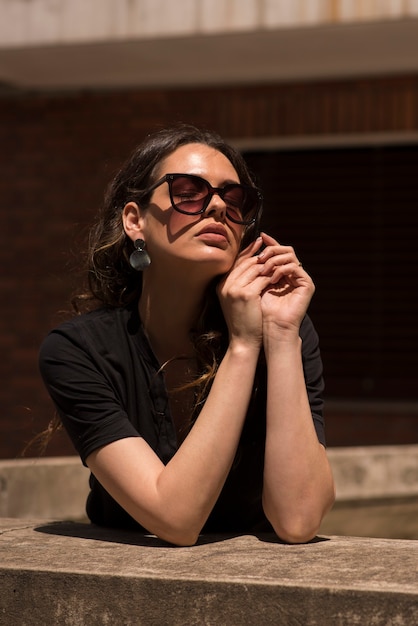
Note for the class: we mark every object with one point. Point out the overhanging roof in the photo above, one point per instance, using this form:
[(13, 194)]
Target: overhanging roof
[(353, 49)]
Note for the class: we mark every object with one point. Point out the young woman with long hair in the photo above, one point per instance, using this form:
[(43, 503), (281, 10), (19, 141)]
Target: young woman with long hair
[(192, 387)]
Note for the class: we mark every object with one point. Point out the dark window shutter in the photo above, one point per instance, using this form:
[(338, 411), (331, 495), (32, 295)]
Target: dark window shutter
[(352, 216)]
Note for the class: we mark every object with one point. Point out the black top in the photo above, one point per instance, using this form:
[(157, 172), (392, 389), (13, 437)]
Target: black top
[(107, 384)]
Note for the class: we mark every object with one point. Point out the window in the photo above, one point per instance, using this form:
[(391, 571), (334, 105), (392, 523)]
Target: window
[(352, 216)]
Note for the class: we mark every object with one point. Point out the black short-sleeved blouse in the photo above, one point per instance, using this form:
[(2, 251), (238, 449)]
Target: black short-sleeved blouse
[(106, 384)]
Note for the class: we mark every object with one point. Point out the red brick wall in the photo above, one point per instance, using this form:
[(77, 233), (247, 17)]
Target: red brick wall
[(57, 152)]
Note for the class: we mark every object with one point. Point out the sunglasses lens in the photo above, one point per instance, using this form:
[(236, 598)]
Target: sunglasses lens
[(188, 194), (241, 203)]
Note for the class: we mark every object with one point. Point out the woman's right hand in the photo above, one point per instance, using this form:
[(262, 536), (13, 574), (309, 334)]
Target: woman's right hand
[(239, 293)]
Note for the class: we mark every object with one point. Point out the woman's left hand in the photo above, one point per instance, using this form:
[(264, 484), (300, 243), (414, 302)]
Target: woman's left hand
[(284, 303), (298, 487)]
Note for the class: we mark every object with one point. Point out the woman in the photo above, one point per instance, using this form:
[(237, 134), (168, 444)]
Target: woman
[(193, 390)]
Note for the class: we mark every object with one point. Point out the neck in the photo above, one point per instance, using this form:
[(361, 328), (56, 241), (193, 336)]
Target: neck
[(168, 311)]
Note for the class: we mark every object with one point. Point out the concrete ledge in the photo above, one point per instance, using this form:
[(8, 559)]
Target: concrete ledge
[(366, 472), (394, 518), (72, 573), (377, 492), (54, 487)]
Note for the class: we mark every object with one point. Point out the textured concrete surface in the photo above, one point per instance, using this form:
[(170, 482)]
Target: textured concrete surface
[(370, 472), (72, 573), (51, 487), (392, 518)]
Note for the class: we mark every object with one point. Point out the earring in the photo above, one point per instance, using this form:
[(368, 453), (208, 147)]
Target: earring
[(139, 258)]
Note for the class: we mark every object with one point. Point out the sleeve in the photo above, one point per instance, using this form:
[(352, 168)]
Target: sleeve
[(313, 371), (86, 391)]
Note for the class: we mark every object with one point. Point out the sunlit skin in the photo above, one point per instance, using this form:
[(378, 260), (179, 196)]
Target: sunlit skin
[(184, 259), (177, 237), (264, 297)]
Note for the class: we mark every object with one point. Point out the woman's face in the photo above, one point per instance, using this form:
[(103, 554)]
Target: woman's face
[(209, 240)]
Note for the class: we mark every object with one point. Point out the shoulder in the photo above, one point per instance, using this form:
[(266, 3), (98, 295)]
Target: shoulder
[(103, 321), (92, 321), (90, 332)]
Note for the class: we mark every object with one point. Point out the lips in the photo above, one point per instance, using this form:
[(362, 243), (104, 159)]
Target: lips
[(214, 229)]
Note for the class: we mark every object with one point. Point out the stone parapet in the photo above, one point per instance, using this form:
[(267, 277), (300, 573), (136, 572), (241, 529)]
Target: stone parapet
[(372, 472), (51, 487), (72, 573)]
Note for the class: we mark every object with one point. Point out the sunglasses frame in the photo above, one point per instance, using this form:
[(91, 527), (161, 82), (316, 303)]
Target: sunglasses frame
[(220, 191)]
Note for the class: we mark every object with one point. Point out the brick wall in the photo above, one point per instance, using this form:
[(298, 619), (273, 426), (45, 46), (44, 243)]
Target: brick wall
[(57, 152)]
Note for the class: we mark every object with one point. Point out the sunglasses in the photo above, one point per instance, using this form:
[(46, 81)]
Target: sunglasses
[(191, 195)]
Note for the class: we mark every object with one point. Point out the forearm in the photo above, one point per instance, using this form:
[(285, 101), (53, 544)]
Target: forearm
[(205, 457), (174, 501), (298, 485)]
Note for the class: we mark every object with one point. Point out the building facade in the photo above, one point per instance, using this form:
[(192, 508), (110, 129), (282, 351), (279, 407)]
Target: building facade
[(322, 98)]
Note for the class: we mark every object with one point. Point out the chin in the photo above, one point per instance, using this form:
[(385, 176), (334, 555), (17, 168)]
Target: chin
[(220, 256), (213, 267), (212, 260)]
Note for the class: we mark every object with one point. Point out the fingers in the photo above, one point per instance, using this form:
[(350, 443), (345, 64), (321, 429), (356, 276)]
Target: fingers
[(278, 260), (246, 267), (257, 269), (251, 249), (246, 279)]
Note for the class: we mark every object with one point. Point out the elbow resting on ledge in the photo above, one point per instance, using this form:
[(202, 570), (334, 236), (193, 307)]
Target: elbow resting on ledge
[(291, 535), (296, 535), (300, 528), (179, 540), (296, 530), (177, 536)]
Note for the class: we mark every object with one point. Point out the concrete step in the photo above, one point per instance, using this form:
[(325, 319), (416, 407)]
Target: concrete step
[(68, 573)]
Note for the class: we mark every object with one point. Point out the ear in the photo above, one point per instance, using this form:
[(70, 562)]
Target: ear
[(133, 221)]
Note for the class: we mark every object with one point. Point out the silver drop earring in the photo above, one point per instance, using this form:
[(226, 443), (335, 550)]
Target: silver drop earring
[(139, 258)]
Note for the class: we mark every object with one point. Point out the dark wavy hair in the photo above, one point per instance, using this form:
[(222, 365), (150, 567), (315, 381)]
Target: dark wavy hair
[(111, 280)]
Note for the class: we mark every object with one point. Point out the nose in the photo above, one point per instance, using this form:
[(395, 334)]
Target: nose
[(216, 206)]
